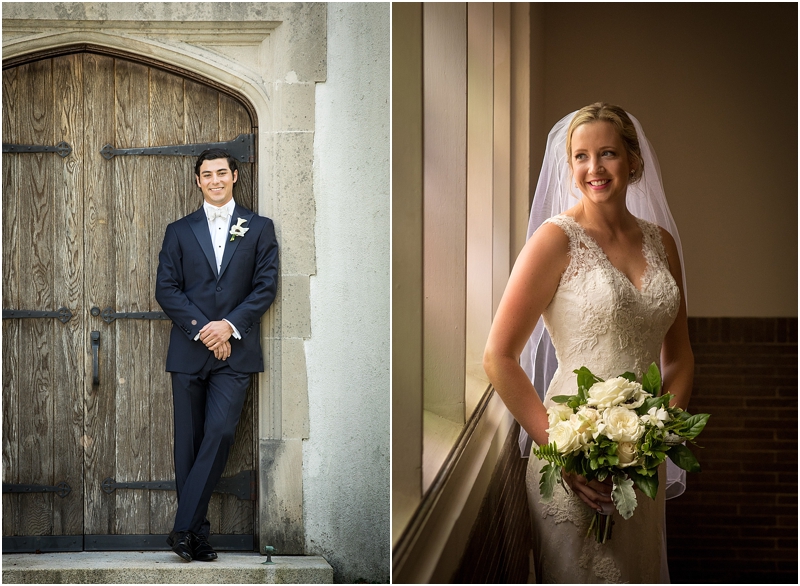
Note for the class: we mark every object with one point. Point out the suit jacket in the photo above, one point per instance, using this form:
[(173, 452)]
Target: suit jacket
[(192, 293)]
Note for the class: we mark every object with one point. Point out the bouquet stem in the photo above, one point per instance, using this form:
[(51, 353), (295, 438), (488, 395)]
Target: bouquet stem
[(601, 527)]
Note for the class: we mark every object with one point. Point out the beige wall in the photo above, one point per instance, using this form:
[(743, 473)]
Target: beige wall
[(715, 87)]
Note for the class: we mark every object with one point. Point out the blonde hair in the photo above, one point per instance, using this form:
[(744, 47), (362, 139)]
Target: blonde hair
[(603, 112)]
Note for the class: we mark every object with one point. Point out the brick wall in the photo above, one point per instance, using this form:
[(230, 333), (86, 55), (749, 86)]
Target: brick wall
[(737, 521), (497, 551)]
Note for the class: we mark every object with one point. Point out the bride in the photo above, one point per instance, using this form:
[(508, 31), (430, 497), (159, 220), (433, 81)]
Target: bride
[(602, 270)]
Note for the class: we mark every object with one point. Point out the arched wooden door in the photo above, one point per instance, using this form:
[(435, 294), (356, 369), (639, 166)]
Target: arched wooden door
[(87, 408)]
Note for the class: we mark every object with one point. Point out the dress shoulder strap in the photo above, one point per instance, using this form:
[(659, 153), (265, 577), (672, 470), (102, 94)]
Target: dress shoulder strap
[(653, 241), (570, 227)]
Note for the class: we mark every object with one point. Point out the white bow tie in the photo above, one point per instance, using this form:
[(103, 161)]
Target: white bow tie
[(217, 213)]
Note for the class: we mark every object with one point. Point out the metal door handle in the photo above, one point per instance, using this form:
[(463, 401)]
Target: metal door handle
[(95, 358)]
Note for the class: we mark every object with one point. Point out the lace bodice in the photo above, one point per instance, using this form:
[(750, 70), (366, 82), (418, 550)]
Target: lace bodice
[(599, 319)]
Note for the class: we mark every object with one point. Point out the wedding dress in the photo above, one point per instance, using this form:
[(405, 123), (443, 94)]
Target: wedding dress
[(599, 319)]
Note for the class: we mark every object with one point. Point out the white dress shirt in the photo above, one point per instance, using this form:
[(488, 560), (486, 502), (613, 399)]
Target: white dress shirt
[(218, 227), (219, 219)]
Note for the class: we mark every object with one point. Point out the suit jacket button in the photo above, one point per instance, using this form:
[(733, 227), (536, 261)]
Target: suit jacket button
[(219, 288), (194, 322)]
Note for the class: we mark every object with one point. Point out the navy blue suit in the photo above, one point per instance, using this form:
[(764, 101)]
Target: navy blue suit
[(208, 394)]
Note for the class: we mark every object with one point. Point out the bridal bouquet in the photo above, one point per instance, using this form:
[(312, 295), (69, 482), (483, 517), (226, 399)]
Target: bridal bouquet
[(618, 428)]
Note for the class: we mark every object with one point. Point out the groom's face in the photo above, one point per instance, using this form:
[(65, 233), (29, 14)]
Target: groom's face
[(216, 181)]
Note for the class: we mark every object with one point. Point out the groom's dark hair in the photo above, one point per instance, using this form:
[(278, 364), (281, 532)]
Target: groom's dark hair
[(212, 154)]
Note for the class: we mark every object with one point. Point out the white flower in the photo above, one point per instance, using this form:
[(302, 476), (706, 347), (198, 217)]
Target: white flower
[(238, 229), (656, 416), (627, 454), (558, 412), (622, 424), (584, 422), (565, 437), (616, 391), (672, 439)]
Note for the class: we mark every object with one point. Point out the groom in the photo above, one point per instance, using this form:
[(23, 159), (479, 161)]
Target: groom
[(217, 275)]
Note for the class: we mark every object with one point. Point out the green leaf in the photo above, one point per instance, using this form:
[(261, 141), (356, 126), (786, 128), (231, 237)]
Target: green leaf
[(624, 496), (561, 398), (647, 484), (694, 425), (550, 453), (651, 381), (683, 458), (650, 402), (585, 378), (629, 376), (550, 475)]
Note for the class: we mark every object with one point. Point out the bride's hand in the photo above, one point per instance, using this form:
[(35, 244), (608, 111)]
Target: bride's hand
[(593, 493)]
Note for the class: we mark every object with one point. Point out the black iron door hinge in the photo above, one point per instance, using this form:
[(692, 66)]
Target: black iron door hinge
[(240, 148)]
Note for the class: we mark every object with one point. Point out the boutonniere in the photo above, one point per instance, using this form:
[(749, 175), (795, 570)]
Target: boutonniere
[(238, 229)]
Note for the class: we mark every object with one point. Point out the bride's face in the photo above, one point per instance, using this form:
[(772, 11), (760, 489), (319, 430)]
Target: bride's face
[(600, 162)]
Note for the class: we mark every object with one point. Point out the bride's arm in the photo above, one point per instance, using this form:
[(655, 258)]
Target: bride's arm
[(677, 359), (530, 288)]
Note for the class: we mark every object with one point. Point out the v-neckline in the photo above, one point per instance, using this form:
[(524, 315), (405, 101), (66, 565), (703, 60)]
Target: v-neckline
[(608, 260)]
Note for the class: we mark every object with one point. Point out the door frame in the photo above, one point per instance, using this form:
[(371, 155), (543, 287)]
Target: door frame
[(87, 541)]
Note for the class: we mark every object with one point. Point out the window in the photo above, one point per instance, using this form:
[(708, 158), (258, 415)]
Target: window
[(460, 177)]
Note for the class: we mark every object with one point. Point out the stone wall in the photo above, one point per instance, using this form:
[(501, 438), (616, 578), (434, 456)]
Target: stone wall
[(346, 470)]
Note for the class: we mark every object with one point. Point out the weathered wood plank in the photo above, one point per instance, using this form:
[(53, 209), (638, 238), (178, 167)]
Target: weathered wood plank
[(71, 340), (233, 121), (237, 517), (36, 292), (167, 186), (202, 125), (99, 439), (134, 291), (10, 300)]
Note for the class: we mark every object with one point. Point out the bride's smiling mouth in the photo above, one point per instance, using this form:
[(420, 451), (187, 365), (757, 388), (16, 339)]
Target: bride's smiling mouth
[(599, 183)]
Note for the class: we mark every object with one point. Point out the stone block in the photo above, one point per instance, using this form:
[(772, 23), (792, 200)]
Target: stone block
[(293, 106), (161, 567), (301, 41), (293, 185), (269, 408), (294, 389), (281, 496), (295, 308)]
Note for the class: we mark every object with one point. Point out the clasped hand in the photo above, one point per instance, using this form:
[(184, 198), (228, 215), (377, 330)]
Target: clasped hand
[(215, 336), (593, 493)]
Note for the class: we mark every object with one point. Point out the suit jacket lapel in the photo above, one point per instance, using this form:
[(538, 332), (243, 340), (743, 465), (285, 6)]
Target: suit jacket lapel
[(199, 225), (231, 246)]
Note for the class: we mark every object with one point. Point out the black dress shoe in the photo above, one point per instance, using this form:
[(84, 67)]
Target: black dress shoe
[(181, 543), (203, 551)]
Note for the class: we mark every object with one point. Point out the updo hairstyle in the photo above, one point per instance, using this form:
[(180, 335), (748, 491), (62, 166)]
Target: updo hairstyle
[(601, 111)]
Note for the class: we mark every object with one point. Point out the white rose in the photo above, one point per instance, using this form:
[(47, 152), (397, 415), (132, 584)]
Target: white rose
[(616, 391), (558, 412), (627, 454), (585, 423), (622, 425), (565, 437)]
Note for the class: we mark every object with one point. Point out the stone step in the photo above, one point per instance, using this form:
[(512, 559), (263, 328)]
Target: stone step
[(161, 567)]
